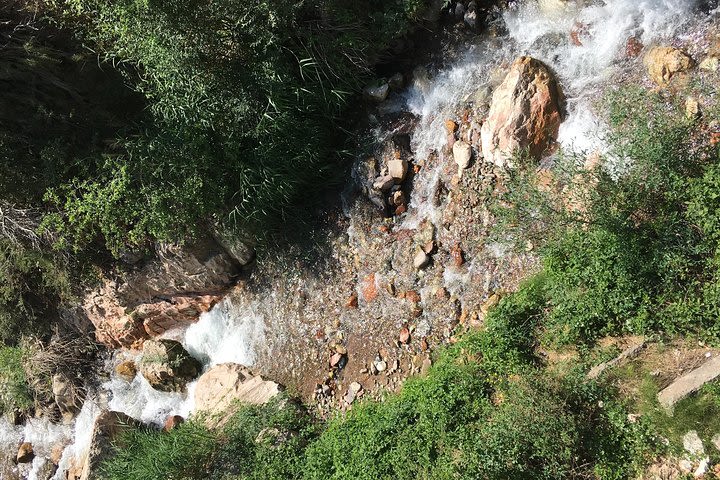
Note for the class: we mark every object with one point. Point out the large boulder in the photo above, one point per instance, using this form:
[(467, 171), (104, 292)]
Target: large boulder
[(169, 292), (525, 113), (225, 384), (167, 366), (108, 427), (663, 63)]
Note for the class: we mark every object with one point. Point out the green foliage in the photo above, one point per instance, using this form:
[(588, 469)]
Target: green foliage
[(461, 421), (247, 104), (14, 391), (629, 246), (33, 284)]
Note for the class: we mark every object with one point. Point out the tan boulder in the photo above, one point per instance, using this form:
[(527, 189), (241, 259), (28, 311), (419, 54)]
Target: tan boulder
[(67, 396), (525, 113), (127, 370), (225, 384), (663, 63), (25, 453)]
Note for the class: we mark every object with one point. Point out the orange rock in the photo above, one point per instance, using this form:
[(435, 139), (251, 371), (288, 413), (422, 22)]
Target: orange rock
[(172, 422), (412, 296), (525, 113), (369, 290), (352, 301), (450, 126), (400, 210), (633, 47), (384, 229), (457, 255), (404, 335), (424, 344)]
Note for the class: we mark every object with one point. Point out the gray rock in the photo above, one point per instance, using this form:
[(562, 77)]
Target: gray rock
[(462, 153), (167, 366), (689, 383), (378, 93), (692, 443), (384, 183)]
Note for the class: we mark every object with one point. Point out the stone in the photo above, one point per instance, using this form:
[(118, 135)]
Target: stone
[(693, 444), (67, 397), (663, 63), (421, 259), (352, 301), (380, 365), (709, 64), (377, 93), (425, 368), (167, 366), (168, 291), (126, 370), (625, 355), (336, 360), (692, 108), (25, 453), (172, 421), (384, 183), (689, 383), (633, 47), (716, 441), (398, 169), (229, 383), (552, 6), (462, 153), (398, 198), (404, 335), (397, 81), (353, 392), (369, 288), (471, 19), (525, 114)]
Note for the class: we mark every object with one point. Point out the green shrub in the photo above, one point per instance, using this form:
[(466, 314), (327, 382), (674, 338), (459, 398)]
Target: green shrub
[(15, 393), (629, 246), (248, 106)]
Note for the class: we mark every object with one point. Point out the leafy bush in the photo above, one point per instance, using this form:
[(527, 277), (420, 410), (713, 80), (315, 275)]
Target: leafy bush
[(629, 245), (14, 391), (248, 103)]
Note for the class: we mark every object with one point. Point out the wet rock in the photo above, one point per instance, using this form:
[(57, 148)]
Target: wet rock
[(396, 82), (471, 19), (398, 169), (663, 63), (369, 288), (172, 422), (167, 366), (421, 259), (384, 183), (25, 453), (457, 255), (552, 6), (126, 370), (633, 47), (67, 396), (352, 301), (462, 153), (169, 291), (226, 384), (398, 198), (377, 93), (525, 113)]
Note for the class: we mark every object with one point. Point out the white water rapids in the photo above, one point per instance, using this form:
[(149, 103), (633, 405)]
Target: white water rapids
[(231, 333)]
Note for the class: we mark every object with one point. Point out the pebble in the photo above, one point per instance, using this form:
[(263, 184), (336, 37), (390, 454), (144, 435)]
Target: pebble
[(380, 365), (421, 260), (404, 335)]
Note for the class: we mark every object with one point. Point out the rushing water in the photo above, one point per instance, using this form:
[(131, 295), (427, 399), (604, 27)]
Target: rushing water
[(231, 332)]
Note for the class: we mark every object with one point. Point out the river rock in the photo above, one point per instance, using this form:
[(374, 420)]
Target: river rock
[(384, 183), (167, 366), (106, 429), (228, 383), (525, 113), (377, 93), (421, 259), (170, 291), (398, 169), (67, 397), (663, 63), (462, 152), (25, 453), (126, 370)]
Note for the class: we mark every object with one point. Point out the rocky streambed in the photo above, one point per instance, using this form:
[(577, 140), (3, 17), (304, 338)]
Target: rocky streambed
[(408, 263)]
